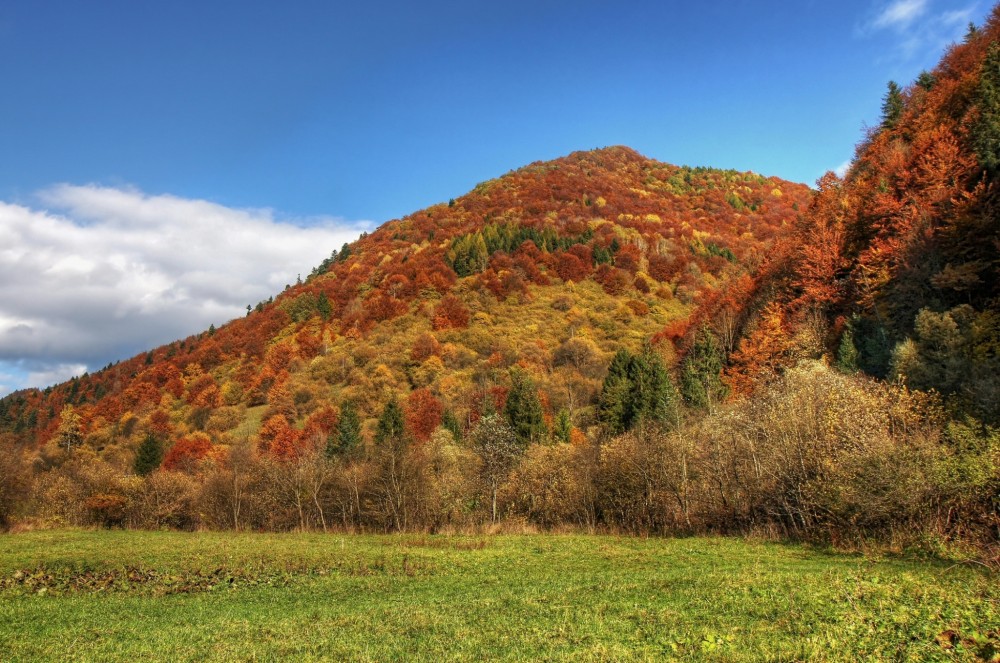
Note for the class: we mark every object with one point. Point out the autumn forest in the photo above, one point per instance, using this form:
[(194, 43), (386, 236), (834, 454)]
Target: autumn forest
[(599, 343)]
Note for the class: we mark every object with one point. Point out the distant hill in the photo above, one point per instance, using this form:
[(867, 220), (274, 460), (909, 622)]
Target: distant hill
[(553, 267)]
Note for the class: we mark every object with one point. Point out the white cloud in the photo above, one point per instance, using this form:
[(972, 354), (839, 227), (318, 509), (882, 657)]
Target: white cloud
[(920, 31), (842, 169), (900, 14), (93, 274)]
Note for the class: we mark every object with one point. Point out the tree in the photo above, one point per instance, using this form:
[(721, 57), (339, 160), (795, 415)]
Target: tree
[(497, 445), (391, 424), (985, 131), (847, 352), (652, 394), (614, 403), (323, 307), (701, 381), (892, 106), (69, 433), (563, 428), (149, 455), (523, 409), (347, 436)]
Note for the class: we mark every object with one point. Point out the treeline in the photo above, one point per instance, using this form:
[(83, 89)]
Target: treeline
[(819, 455)]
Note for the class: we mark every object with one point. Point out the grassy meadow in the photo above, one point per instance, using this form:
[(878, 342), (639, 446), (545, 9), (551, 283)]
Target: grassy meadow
[(127, 595)]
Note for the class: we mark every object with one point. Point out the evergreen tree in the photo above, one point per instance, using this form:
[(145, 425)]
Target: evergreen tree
[(391, 427), (149, 455), (653, 396), (523, 410), (985, 131), (451, 423), (701, 373), (614, 403), (323, 307), (348, 433), (847, 352), (563, 427), (892, 106)]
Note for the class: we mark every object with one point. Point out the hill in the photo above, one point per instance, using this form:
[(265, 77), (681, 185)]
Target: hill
[(602, 340), (553, 267)]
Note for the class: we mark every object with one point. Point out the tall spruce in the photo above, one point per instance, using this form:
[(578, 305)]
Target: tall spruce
[(523, 409), (391, 427), (892, 106), (348, 433), (613, 405), (149, 455), (985, 131), (701, 372)]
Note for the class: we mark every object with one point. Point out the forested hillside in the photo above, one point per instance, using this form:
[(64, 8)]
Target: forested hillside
[(603, 341)]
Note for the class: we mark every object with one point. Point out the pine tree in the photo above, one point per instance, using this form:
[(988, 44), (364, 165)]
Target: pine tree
[(149, 455), (391, 427), (323, 307), (451, 423), (847, 352), (348, 433), (892, 106), (985, 133), (563, 427), (614, 404), (654, 398), (523, 410), (701, 373)]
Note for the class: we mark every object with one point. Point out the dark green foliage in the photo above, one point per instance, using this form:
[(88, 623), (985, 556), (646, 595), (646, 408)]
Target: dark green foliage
[(653, 396), (892, 106), (636, 391), (469, 254), (451, 424), (926, 80), (345, 252), (873, 345), (721, 251), (149, 455), (323, 307), (523, 409), (347, 437), (391, 427), (847, 353), (985, 131), (563, 427), (613, 404), (701, 373)]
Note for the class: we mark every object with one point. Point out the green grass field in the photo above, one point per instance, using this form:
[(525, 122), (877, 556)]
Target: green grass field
[(129, 596)]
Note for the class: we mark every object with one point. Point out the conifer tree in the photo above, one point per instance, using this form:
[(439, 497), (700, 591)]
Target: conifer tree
[(563, 427), (451, 423), (523, 410), (701, 373), (847, 352), (348, 433), (892, 106), (985, 131), (391, 424), (149, 455), (613, 406)]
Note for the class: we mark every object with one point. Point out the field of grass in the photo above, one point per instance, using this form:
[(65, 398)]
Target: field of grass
[(127, 596)]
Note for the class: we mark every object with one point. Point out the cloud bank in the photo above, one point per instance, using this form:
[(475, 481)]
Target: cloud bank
[(92, 274)]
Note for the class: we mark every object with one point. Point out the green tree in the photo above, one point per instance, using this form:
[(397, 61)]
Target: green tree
[(523, 409), (653, 398), (451, 423), (892, 106), (701, 372), (323, 307), (391, 427), (847, 352), (985, 131), (149, 455), (614, 403), (563, 426), (347, 436)]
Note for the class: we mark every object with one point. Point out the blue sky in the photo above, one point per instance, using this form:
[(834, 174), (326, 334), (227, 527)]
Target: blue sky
[(129, 119)]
